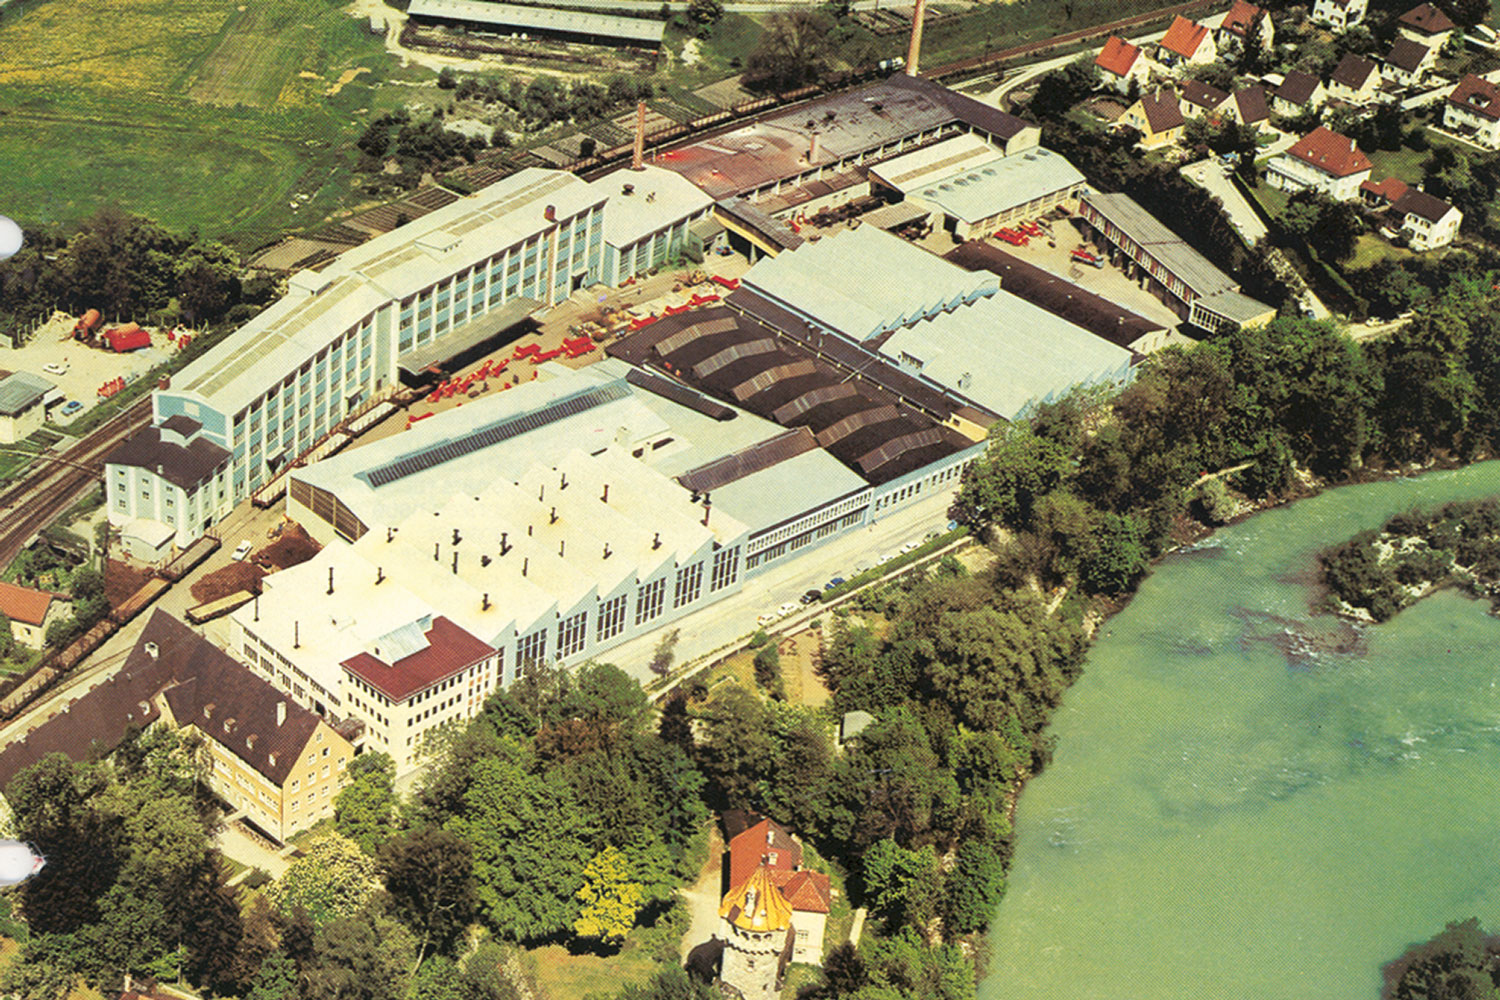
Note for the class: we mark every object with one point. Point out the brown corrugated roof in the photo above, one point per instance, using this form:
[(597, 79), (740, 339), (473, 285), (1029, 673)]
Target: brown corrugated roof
[(1478, 95), (1330, 152), (748, 461), (25, 605), (1183, 37), (450, 648), (1117, 56)]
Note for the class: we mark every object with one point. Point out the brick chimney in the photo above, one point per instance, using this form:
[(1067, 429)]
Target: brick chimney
[(637, 158), (914, 51)]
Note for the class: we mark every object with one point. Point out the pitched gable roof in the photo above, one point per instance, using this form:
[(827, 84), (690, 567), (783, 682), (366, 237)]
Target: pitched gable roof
[(1161, 109), (1202, 94), (1330, 152), (808, 891), (1388, 190), (1407, 54), (756, 845), (1184, 37), (1478, 95), (1353, 71), (26, 605), (1298, 87), (1240, 17), (1117, 56), (1251, 102), (1422, 205), (1427, 19)]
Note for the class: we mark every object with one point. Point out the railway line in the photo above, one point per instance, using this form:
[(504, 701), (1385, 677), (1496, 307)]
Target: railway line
[(59, 480)]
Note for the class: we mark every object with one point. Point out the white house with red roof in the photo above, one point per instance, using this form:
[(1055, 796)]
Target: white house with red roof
[(1120, 63), (1339, 14), (31, 611), (766, 846), (1322, 161), (1186, 43), (1237, 25), (1473, 111)]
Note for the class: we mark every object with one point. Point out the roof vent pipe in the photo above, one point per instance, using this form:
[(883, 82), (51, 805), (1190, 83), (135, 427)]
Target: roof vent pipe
[(436, 551), (541, 493), (525, 565), (455, 564), (656, 542), (605, 497), (552, 517), (606, 550), (504, 548), (296, 635), (562, 547), (379, 575), (564, 484), (330, 579), (456, 538), (484, 603), (389, 533)]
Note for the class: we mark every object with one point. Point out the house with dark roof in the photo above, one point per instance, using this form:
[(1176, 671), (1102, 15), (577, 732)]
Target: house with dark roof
[(277, 766), (1121, 63), (1297, 93), (1201, 100), (766, 847), (31, 611), (1238, 23), (1339, 14), (1428, 222), (1249, 106), (1473, 111), (171, 474), (1322, 161), (1157, 116), (1186, 43), (1426, 25), (1408, 62), (1355, 80), (24, 398)]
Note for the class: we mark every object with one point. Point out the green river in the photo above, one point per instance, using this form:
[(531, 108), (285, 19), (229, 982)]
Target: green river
[(1247, 802)]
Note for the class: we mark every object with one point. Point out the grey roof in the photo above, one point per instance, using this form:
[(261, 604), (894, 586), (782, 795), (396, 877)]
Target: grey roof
[(1191, 267), (780, 492), (21, 391), (1001, 185), (658, 199), (183, 466), (569, 21), (892, 216), (772, 230), (1235, 306), (474, 332)]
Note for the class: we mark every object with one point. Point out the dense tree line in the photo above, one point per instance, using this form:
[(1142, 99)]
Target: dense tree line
[(1460, 963)]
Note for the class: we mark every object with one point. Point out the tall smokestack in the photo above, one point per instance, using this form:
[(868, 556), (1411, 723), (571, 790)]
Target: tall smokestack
[(914, 51), (636, 160)]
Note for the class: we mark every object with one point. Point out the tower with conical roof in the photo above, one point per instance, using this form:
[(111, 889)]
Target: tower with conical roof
[(756, 925)]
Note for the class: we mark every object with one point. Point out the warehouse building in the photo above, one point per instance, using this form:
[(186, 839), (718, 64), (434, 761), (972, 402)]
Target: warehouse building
[(651, 212), (338, 342), (24, 398), (1184, 279), (568, 25)]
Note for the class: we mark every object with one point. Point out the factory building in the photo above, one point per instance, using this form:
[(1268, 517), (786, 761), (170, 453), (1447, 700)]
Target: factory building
[(567, 25), (337, 342), (167, 482), (650, 213)]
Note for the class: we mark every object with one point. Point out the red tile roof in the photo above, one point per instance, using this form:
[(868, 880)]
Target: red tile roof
[(1478, 95), (1426, 19), (23, 604), (449, 649), (1240, 17), (758, 845), (1330, 152), (1117, 56), (1388, 190), (1184, 37), (805, 890)]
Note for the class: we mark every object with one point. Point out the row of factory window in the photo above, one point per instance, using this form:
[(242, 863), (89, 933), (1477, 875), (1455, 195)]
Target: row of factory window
[(805, 523), (780, 549)]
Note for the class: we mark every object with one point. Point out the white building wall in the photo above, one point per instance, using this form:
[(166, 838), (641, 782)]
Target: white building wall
[(132, 492), (1487, 132)]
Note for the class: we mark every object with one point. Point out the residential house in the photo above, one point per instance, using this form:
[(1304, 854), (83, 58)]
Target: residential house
[(767, 846), (1249, 107), (1201, 100), (1186, 43), (1237, 24), (1121, 64), (1339, 14), (1427, 221), (1157, 117), (1473, 111), (1355, 80), (1408, 62), (31, 612), (1426, 25), (1322, 161), (1381, 195), (1298, 93)]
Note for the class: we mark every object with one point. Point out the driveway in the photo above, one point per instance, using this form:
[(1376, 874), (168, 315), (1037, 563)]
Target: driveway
[(235, 843), (702, 898), (1214, 178)]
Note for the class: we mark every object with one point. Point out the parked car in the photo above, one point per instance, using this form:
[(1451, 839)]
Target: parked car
[(71, 407), (765, 620), (55, 369), (833, 583), (241, 551), (885, 559), (786, 609), (811, 596)]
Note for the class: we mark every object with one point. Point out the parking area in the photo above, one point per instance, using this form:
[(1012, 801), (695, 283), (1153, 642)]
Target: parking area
[(78, 370)]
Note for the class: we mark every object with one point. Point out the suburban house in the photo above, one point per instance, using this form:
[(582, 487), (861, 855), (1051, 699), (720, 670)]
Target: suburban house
[(1339, 14), (276, 765), (1427, 221), (1200, 100), (31, 611), (1355, 80), (1426, 25), (1249, 107), (1186, 43), (1235, 27), (1121, 63), (767, 846), (1322, 161), (1157, 117), (1381, 195), (23, 405), (1408, 62), (1297, 93), (1473, 111)]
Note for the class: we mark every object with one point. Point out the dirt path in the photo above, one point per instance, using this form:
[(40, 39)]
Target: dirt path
[(702, 898)]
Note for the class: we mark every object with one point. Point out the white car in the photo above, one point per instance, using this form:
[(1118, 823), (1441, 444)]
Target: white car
[(765, 620), (241, 551), (789, 608), (909, 546), (885, 559), (55, 369)]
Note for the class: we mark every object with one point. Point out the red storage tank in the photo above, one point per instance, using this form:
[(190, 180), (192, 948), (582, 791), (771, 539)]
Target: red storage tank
[(87, 323)]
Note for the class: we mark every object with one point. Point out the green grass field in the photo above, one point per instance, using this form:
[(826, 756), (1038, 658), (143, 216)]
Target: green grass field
[(201, 113)]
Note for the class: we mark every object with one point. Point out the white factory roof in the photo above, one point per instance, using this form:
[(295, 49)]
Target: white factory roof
[(865, 282), (779, 493), (1006, 354), (528, 18), (912, 170), (318, 307), (983, 190), (658, 199)]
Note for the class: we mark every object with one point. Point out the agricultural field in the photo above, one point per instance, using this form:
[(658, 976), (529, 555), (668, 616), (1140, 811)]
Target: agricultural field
[(203, 113)]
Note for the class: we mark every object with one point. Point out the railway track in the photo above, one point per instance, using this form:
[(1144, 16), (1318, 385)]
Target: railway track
[(33, 503)]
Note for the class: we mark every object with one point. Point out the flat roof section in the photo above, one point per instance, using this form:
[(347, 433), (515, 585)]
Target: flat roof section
[(989, 189), (1190, 266), (911, 171), (658, 198), (778, 493), (549, 19)]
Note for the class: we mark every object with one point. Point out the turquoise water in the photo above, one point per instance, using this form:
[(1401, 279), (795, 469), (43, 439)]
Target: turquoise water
[(1226, 819)]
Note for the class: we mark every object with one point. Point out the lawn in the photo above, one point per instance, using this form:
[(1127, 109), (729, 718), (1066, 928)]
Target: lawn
[(1404, 164), (1371, 248), (201, 113)]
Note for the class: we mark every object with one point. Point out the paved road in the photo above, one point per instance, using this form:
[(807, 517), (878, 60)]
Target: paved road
[(1208, 174)]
